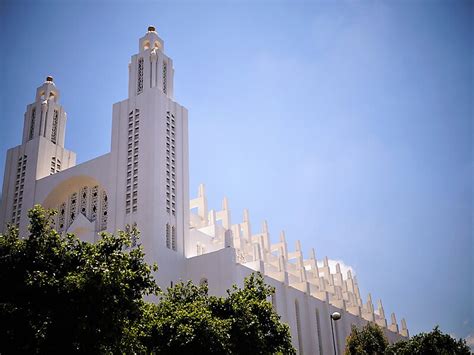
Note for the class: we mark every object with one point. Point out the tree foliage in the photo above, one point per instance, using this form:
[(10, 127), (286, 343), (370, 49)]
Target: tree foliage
[(255, 327), (188, 320), (63, 295), (183, 323), (434, 342), (369, 340)]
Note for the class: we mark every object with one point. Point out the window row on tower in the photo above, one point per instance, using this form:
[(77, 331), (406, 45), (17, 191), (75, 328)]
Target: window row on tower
[(171, 237), (140, 75), (131, 194), (165, 70), (32, 123), (170, 164), (55, 166), (54, 129), (19, 187)]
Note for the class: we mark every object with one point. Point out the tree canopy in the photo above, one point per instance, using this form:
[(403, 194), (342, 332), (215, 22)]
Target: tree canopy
[(370, 340), (61, 293), (65, 295), (434, 342), (188, 320)]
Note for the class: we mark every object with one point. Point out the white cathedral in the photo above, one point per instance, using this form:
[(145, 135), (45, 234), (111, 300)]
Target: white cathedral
[(144, 181)]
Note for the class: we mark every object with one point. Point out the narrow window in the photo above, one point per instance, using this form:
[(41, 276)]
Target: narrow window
[(104, 208), (32, 126), (318, 330), (83, 200), (151, 77), (94, 203), (140, 76), (168, 236), (72, 208), (164, 77), (54, 130), (173, 238), (298, 327)]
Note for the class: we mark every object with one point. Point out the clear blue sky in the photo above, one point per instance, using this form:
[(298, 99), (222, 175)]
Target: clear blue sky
[(348, 124)]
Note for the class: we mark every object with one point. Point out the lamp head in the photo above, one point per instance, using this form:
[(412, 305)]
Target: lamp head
[(336, 316)]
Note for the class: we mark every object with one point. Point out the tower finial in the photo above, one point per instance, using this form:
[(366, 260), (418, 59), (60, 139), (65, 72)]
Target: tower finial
[(49, 79), (151, 29)]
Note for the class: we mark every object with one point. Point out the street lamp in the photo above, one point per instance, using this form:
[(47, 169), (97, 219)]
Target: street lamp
[(334, 317)]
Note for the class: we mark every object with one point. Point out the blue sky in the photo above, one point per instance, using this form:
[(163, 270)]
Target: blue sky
[(348, 124)]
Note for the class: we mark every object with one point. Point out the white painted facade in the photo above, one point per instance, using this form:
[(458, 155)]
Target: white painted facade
[(144, 180)]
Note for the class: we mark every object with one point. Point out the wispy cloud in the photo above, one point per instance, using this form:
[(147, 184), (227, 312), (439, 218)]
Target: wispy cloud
[(344, 267)]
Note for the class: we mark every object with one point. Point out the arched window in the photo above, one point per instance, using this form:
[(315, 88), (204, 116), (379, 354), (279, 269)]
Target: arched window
[(298, 327), (146, 45)]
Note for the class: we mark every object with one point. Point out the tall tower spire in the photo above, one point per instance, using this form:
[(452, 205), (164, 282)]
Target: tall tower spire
[(150, 67), (45, 117), (150, 156), (40, 154)]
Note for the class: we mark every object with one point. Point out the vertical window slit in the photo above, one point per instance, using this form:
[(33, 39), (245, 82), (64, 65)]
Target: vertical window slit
[(298, 327)]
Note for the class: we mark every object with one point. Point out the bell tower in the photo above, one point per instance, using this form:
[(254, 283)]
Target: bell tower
[(149, 158), (151, 68), (40, 154), (45, 117)]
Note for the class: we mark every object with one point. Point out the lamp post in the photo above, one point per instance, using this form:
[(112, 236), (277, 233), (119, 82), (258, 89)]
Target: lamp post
[(334, 317)]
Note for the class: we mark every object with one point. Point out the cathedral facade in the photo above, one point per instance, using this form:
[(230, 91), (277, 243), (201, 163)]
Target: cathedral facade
[(144, 181)]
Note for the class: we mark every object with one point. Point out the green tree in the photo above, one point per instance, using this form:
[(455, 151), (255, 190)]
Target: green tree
[(183, 323), (435, 342), (187, 320), (369, 340), (60, 294), (255, 326)]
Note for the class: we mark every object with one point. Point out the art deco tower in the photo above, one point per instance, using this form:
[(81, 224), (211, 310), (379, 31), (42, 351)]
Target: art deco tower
[(149, 155), (40, 154)]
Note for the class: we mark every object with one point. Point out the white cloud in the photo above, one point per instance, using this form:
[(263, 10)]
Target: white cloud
[(344, 267)]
